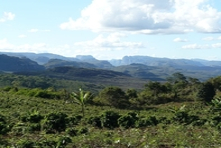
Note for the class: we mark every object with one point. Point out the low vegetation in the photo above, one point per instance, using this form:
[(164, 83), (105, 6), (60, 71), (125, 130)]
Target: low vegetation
[(181, 112)]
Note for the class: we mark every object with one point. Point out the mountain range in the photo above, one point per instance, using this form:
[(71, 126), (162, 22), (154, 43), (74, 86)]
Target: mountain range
[(140, 67)]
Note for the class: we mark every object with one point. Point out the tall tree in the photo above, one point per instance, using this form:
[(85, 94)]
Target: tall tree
[(207, 91), (115, 96), (154, 87)]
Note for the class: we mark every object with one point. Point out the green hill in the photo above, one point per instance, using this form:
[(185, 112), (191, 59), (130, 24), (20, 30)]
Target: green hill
[(59, 63), (98, 77), (14, 64)]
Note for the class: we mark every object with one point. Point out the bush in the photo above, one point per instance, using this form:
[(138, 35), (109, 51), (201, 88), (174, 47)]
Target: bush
[(74, 120), (82, 130), (72, 131), (3, 125), (184, 117), (95, 121), (34, 117), (34, 127), (206, 92), (128, 120), (150, 121), (109, 119), (115, 97), (3, 142), (54, 122), (25, 143), (3, 128), (19, 129), (63, 141)]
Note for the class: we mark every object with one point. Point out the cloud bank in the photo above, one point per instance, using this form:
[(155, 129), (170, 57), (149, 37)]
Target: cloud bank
[(7, 16), (180, 40), (112, 41), (148, 16)]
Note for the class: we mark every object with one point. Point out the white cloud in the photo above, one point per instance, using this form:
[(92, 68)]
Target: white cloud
[(206, 46), (196, 46), (147, 16), (22, 36), (37, 30), (33, 30), (111, 42), (208, 38), (46, 30), (219, 38), (7, 16), (180, 40), (33, 47), (8, 47), (5, 45), (217, 45)]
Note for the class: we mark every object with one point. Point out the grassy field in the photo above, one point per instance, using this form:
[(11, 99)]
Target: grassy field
[(39, 122)]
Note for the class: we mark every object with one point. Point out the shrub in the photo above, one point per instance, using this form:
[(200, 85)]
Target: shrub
[(3, 125), (95, 121), (3, 142), (216, 120), (128, 120), (72, 131), (82, 130), (74, 120), (115, 96), (34, 127), (25, 143), (47, 143), (54, 122), (3, 128), (7, 88), (206, 92), (63, 141), (19, 129), (184, 117), (34, 117), (150, 121), (109, 119)]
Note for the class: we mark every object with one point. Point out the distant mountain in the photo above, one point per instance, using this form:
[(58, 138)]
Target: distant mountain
[(44, 58), (142, 67), (208, 63), (153, 61), (139, 71), (40, 58), (14, 64), (99, 63), (59, 63), (157, 73)]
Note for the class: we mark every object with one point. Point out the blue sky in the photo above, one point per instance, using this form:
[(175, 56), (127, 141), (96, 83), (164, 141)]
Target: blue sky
[(111, 29)]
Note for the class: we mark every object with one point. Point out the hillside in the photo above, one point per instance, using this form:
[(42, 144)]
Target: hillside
[(154, 61), (139, 71), (14, 64), (59, 63), (142, 67), (94, 76)]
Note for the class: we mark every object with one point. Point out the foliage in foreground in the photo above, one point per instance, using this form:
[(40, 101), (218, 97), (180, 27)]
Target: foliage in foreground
[(172, 114)]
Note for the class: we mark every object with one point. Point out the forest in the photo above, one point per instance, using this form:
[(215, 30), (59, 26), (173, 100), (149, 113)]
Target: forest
[(38, 111)]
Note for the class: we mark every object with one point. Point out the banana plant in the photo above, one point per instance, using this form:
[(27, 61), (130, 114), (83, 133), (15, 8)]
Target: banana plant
[(80, 98)]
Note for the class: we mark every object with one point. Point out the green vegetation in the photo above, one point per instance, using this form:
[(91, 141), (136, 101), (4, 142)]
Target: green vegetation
[(38, 111), (81, 98)]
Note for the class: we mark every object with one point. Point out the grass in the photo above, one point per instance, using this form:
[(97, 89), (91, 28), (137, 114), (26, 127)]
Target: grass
[(163, 135)]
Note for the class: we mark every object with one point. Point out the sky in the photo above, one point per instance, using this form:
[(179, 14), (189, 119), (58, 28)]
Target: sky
[(112, 29)]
